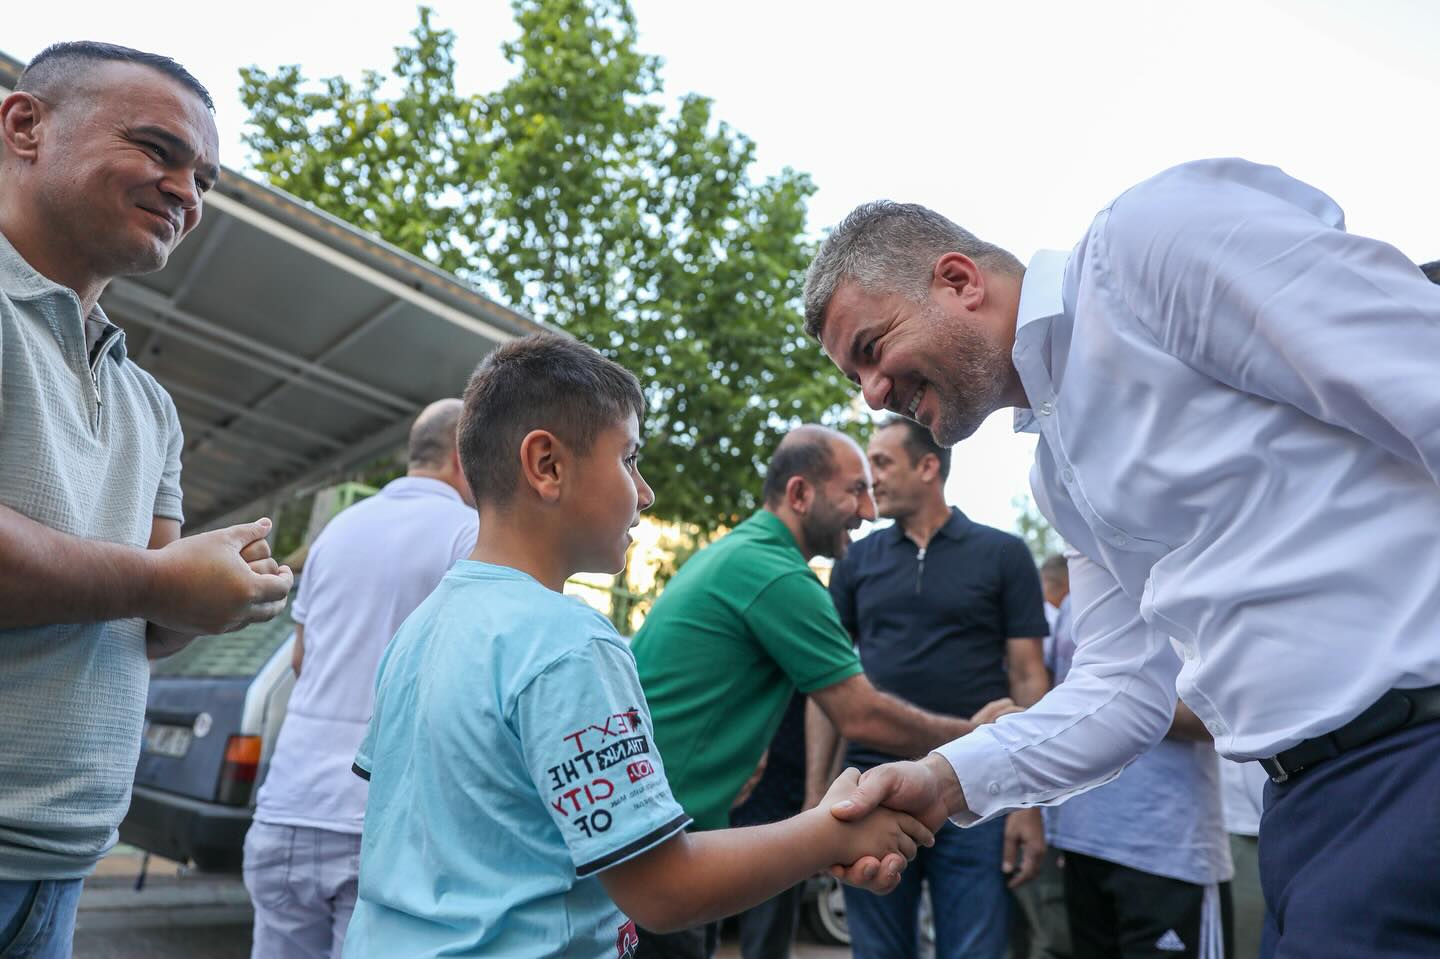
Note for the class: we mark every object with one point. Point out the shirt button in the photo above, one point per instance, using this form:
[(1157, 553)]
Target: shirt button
[(1046, 408), (1120, 539), (994, 789), (1215, 729), (1067, 475)]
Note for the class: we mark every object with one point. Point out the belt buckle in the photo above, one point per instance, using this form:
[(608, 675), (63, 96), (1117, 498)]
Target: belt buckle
[(1276, 769)]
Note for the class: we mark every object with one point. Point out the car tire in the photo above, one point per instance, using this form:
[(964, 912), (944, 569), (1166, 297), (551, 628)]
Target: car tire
[(824, 912)]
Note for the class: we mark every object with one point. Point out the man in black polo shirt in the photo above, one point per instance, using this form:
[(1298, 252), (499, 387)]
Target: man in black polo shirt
[(947, 614)]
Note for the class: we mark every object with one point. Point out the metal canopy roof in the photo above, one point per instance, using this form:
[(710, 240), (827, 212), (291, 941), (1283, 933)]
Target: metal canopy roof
[(294, 345)]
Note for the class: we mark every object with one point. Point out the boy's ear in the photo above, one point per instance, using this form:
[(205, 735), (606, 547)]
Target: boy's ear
[(541, 464)]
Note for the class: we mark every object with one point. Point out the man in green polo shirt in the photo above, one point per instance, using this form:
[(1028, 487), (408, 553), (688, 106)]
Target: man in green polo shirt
[(745, 623)]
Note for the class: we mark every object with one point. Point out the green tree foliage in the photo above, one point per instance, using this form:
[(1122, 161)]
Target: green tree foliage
[(574, 194), (1035, 529)]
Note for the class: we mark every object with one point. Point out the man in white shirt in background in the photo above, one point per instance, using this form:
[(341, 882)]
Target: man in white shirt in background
[(1239, 432), (366, 572), (1055, 581), (1147, 860), (1242, 788)]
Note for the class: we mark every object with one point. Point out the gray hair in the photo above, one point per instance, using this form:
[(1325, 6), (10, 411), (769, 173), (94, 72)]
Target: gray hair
[(889, 247)]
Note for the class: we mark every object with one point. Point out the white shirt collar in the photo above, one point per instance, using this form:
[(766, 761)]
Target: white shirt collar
[(1041, 301)]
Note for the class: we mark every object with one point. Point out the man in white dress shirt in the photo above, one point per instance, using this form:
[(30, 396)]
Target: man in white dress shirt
[(366, 572), (1239, 431)]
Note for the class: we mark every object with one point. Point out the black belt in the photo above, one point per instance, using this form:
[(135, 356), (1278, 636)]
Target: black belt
[(1397, 709)]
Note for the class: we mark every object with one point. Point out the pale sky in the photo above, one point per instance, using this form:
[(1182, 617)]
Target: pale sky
[(1017, 120)]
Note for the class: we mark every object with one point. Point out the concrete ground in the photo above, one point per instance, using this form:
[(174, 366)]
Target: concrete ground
[(180, 914)]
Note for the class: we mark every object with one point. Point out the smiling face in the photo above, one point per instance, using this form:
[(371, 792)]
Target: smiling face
[(122, 167), (838, 505), (943, 361), (608, 496)]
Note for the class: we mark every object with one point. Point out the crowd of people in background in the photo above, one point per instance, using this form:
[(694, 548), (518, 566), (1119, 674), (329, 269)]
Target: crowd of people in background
[(476, 764)]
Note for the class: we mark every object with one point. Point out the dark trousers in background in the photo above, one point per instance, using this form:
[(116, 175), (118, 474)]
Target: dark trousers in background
[(1042, 904), (1350, 852), (1248, 900), (967, 895), (1121, 913), (698, 943), (768, 930)]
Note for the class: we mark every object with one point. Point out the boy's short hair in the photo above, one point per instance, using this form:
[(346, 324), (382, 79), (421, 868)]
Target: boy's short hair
[(539, 382)]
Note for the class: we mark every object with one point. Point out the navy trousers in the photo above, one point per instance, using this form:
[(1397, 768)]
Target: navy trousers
[(1350, 853)]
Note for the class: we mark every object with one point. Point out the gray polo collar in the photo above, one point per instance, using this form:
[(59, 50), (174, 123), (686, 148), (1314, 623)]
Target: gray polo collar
[(21, 281)]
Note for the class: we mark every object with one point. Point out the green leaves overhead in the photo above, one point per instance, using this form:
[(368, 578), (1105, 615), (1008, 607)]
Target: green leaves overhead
[(576, 194)]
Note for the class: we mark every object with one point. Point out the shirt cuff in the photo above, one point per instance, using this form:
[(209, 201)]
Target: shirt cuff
[(986, 774)]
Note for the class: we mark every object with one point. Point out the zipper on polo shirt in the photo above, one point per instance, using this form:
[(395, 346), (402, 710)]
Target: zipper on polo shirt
[(101, 348), (920, 569)]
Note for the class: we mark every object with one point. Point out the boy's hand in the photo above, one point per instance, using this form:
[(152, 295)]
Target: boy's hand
[(886, 838)]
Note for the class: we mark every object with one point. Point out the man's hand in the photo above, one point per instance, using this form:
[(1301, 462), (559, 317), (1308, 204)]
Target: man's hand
[(257, 556), (216, 582), (1024, 846), (992, 711), (879, 829), (927, 790)]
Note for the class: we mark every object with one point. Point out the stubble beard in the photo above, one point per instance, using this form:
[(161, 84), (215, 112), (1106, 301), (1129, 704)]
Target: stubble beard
[(971, 381), (825, 531)]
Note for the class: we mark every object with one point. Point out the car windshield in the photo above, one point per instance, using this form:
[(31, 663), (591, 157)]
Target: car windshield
[(240, 653)]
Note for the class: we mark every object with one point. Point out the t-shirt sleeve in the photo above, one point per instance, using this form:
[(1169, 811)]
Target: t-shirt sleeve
[(585, 731), (795, 620), (464, 542), (167, 495), (1023, 599)]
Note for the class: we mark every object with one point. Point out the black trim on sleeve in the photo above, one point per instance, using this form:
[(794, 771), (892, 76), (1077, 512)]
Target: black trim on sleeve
[(360, 771), (634, 848)]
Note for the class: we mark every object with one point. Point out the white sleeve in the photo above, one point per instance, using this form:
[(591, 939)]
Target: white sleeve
[(1117, 701), (1248, 276), (464, 541)]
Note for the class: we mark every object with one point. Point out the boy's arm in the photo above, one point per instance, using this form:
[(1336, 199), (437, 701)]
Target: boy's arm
[(695, 878)]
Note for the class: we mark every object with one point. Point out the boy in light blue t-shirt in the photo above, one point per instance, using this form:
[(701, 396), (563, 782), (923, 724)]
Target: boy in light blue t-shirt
[(517, 805)]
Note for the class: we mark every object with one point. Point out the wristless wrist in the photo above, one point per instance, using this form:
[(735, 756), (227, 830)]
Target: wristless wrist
[(950, 791), (146, 577)]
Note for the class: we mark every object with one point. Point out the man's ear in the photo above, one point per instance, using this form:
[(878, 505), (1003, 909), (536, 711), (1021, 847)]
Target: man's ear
[(956, 275), (542, 464), (20, 115), (799, 494), (929, 467)]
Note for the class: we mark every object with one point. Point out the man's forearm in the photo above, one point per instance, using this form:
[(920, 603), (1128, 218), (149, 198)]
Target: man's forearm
[(49, 577), (1025, 666), (1027, 688), (822, 743), (892, 725)]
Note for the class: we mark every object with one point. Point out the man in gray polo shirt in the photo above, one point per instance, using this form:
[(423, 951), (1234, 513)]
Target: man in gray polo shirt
[(105, 154)]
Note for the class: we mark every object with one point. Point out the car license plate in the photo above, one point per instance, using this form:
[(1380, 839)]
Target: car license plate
[(162, 740)]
